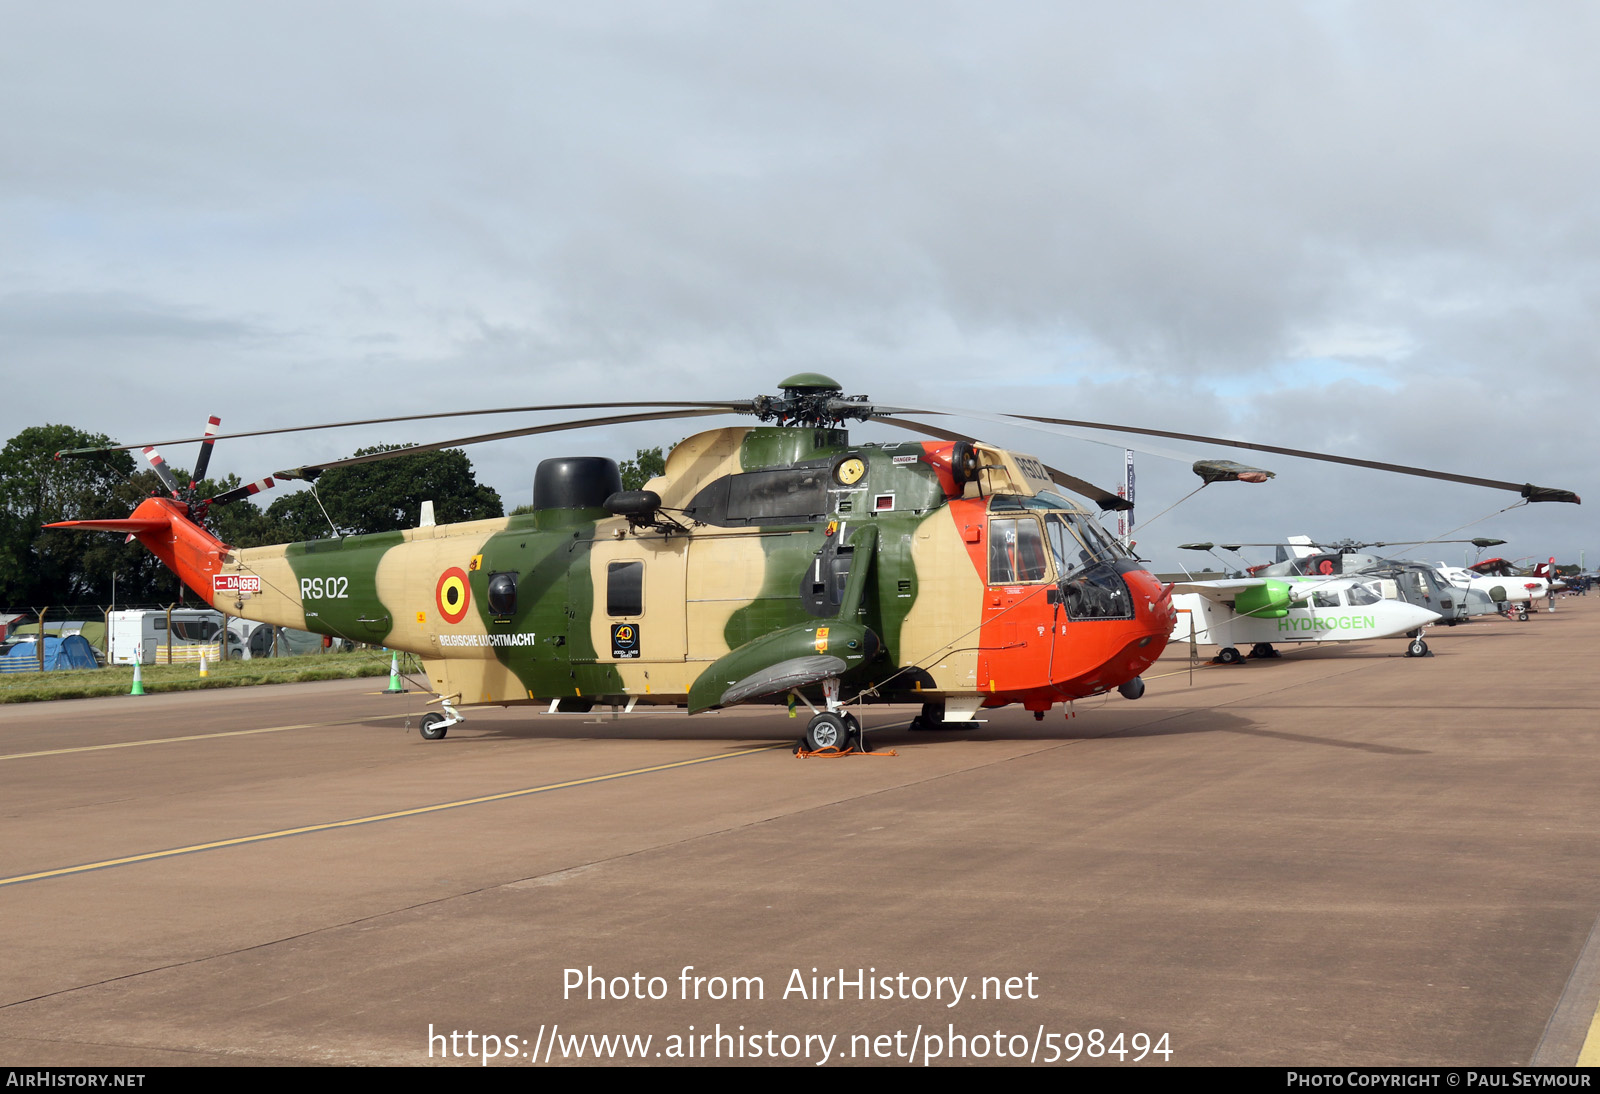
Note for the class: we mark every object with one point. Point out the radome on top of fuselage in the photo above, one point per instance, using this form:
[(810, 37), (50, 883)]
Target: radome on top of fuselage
[(751, 547)]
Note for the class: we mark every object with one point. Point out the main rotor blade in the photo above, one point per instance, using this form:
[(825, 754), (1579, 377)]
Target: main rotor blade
[(312, 470), (1527, 490), (1104, 498), (733, 406), (1016, 419)]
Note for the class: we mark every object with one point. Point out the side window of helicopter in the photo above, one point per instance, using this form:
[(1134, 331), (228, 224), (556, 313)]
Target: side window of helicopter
[(625, 589), (799, 493), (1325, 598), (1016, 551)]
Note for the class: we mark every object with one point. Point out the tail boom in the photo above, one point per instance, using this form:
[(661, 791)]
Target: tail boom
[(163, 526)]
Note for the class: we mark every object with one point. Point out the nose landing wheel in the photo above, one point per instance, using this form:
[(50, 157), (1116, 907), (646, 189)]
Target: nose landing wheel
[(828, 729)]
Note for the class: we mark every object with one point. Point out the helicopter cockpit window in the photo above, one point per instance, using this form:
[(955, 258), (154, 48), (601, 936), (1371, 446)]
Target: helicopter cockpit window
[(1091, 586), (1076, 539), (1016, 551), (1363, 594), (625, 589)]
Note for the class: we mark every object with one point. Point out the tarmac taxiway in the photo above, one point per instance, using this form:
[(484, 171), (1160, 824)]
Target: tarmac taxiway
[(1342, 857)]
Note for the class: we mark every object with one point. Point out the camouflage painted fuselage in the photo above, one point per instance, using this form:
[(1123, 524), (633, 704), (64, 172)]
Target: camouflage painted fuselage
[(790, 541)]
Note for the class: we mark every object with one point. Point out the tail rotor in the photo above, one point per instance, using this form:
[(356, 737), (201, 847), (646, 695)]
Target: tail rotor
[(189, 494)]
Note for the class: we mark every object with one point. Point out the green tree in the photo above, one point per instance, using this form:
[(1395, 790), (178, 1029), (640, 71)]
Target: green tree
[(40, 566), (646, 464), (387, 495)]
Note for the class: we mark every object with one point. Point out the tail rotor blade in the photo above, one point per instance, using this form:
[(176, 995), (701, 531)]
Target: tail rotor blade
[(206, 444), (244, 491)]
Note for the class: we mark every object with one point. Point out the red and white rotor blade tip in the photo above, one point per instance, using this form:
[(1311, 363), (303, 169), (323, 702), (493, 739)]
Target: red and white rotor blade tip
[(168, 479), (243, 491), (212, 425)]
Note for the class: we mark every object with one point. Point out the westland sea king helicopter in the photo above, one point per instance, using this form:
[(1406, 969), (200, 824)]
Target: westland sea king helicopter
[(773, 563)]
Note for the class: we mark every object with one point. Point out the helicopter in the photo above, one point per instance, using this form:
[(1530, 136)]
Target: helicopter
[(773, 563)]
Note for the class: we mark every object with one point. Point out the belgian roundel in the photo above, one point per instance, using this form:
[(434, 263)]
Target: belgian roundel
[(453, 595)]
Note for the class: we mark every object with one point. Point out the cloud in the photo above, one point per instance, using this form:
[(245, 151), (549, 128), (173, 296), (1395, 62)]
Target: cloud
[(1363, 225)]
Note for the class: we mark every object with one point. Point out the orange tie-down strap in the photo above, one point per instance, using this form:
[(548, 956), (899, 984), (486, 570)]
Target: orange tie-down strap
[(832, 753)]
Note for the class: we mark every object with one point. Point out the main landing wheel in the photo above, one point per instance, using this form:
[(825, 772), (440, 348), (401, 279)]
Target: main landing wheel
[(858, 736), (932, 717), (1417, 648), (1522, 614), (432, 727), (827, 730), (1227, 655)]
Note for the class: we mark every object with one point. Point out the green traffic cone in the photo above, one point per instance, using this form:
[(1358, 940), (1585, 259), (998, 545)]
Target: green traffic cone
[(138, 681), (394, 675)]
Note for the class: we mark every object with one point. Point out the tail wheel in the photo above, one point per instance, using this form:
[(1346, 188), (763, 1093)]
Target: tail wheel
[(433, 727)]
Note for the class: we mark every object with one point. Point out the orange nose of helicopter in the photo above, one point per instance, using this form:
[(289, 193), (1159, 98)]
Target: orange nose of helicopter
[(1086, 636)]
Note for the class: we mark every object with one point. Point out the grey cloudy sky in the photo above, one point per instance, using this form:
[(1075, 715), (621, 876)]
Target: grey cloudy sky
[(1364, 228)]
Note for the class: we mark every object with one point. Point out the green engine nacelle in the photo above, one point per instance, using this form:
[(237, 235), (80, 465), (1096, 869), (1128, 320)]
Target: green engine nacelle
[(1269, 601)]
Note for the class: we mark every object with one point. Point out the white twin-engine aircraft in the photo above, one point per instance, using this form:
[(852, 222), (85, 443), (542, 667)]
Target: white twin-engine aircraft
[(1262, 611), (1501, 586)]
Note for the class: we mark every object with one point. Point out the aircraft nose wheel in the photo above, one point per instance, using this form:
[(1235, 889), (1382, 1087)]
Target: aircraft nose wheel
[(1417, 648), (833, 730)]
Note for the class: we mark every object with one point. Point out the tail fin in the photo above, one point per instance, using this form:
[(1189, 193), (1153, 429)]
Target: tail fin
[(163, 525)]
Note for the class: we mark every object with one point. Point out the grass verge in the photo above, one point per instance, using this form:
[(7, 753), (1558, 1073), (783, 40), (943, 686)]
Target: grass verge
[(29, 687)]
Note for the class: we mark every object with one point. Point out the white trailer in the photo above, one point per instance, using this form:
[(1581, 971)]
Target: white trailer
[(142, 636)]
